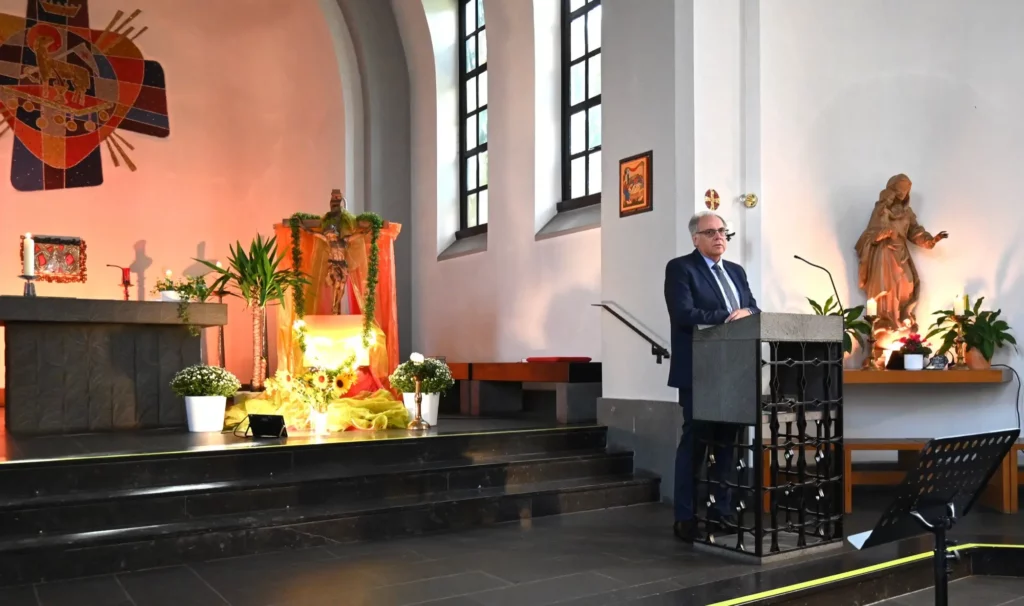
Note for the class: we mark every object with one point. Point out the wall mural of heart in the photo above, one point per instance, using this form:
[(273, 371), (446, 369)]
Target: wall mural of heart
[(66, 90)]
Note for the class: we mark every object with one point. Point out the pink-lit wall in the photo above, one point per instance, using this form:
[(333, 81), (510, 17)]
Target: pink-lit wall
[(257, 133)]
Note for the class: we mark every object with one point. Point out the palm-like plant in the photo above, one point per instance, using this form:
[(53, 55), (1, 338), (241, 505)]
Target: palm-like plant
[(258, 278)]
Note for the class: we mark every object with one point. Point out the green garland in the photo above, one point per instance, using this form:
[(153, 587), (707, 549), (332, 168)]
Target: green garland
[(343, 222), (372, 273)]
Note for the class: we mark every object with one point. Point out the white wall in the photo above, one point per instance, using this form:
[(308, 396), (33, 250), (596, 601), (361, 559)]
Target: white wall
[(647, 104), (520, 297), (854, 92)]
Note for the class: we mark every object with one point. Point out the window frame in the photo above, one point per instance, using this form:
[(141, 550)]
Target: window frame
[(568, 110), (466, 153)]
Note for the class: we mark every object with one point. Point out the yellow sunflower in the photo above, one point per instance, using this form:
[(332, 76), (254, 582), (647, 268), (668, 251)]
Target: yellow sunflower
[(321, 380), (342, 383)]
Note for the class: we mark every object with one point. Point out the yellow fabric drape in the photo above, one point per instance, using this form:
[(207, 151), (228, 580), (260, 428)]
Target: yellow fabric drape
[(368, 411)]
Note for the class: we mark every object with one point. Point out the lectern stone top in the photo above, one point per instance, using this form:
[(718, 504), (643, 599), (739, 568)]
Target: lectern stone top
[(776, 327)]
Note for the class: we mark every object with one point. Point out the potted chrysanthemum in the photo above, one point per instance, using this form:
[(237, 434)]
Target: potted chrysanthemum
[(435, 378), (206, 390)]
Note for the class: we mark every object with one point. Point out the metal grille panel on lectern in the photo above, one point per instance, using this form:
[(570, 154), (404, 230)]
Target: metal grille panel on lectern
[(781, 375)]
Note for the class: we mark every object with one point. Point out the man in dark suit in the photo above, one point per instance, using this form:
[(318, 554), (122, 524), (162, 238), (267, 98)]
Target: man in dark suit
[(701, 288)]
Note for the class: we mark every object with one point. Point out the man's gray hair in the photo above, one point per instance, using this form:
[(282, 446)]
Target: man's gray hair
[(695, 220)]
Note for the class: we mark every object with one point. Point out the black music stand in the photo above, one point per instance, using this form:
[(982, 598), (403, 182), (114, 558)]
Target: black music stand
[(950, 476)]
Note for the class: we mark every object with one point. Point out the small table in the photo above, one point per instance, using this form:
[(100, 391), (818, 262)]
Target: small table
[(81, 365)]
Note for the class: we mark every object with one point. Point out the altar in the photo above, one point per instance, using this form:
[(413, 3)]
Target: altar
[(90, 365)]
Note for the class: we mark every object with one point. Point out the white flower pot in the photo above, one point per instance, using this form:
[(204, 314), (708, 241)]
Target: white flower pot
[(170, 295), (429, 406), (205, 413), (913, 361)]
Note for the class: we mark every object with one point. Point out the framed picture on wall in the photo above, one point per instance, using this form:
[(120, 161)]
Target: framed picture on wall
[(636, 184), (58, 258)]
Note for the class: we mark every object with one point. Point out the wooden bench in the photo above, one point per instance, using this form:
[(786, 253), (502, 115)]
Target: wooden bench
[(1001, 493), (1014, 476), (497, 388)]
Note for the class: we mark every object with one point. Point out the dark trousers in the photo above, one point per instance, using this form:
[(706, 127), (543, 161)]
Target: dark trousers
[(691, 455)]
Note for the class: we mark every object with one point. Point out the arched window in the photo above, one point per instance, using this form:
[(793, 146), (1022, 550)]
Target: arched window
[(473, 117), (581, 103)]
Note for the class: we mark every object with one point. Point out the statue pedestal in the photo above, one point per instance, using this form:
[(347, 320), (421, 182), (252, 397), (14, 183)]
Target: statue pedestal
[(330, 340)]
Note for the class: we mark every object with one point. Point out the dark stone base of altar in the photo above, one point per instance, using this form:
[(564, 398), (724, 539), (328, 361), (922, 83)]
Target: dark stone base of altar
[(86, 365), (75, 378), (73, 506)]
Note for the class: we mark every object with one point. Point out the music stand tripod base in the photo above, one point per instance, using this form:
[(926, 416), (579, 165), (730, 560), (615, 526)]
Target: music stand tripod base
[(950, 475)]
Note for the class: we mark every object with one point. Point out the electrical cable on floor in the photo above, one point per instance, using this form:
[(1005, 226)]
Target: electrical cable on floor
[(1016, 401)]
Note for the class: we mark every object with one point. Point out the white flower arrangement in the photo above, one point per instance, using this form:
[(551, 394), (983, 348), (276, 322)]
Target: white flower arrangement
[(203, 380), (435, 376)]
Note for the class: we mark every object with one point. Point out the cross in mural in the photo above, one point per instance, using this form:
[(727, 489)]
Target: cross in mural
[(66, 90)]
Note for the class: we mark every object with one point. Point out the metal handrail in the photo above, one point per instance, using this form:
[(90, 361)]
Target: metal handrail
[(657, 349)]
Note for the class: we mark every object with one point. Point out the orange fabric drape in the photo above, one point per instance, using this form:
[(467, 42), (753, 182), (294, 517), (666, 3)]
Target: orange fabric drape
[(384, 343)]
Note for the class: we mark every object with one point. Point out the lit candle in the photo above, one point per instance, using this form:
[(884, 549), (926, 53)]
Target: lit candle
[(126, 277), (29, 254), (959, 304), (872, 307), (219, 266), (168, 274)]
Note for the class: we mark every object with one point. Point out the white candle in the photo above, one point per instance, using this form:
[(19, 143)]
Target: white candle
[(872, 307), (29, 254), (959, 302)]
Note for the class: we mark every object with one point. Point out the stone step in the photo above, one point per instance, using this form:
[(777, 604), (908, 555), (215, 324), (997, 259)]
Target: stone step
[(134, 547), (330, 486)]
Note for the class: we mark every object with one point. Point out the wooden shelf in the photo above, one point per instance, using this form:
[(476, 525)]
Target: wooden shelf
[(924, 377)]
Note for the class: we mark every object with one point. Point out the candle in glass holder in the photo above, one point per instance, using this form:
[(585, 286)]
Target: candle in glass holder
[(872, 308), (126, 277), (29, 254)]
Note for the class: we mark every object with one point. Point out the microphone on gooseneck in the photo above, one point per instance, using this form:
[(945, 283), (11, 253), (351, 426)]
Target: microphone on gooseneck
[(834, 290)]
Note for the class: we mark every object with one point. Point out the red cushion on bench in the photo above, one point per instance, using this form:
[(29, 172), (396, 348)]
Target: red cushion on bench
[(558, 359)]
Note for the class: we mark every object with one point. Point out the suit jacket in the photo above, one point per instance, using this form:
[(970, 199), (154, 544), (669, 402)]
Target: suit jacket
[(693, 298)]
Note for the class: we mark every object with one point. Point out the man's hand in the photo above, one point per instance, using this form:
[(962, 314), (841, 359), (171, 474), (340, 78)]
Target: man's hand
[(738, 314)]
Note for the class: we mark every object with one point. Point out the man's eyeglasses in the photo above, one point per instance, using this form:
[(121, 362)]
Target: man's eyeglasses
[(711, 233)]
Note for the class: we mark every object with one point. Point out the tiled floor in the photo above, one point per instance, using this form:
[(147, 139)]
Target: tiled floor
[(593, 559), (976, 591), (617, 553)]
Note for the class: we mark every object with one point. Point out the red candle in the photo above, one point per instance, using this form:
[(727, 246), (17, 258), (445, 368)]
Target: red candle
[(126, 277)]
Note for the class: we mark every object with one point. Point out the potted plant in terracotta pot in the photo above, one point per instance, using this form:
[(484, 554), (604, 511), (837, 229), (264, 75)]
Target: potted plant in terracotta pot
[(206, 390), (983, 333), (914, 350), (259, 280), (435, 379)]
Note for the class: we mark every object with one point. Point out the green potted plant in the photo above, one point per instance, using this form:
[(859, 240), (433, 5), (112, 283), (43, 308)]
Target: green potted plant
[(257, 277), (435, 379), (206, 390), (184, 291), (854, 327), (983, 333)]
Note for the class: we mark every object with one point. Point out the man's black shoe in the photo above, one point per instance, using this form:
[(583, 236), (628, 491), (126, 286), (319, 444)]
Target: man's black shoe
[(685, 531)]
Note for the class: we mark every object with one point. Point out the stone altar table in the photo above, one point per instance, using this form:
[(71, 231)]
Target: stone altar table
[(83, 365)]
